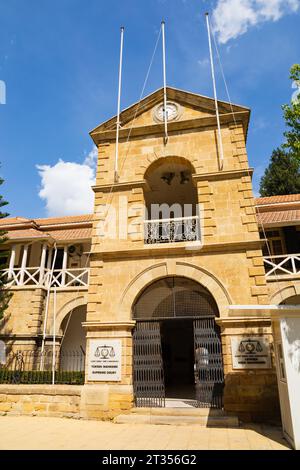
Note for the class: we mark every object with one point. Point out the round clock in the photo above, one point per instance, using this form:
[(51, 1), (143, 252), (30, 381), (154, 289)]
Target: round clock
[(172, 110)]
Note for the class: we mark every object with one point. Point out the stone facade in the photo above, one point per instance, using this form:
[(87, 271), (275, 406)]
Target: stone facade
[(229, 263)]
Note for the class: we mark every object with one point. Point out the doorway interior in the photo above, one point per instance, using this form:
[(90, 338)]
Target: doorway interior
[(177, 353), (177, 343)]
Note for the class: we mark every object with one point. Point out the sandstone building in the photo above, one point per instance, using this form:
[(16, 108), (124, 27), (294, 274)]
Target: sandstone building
[(159, 290)]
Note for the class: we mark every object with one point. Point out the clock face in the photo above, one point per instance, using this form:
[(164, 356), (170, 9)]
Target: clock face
[(172, 111)]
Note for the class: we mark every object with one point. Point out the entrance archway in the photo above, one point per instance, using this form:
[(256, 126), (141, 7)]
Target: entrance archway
[(73, 333), (73, 345), (177, 346)]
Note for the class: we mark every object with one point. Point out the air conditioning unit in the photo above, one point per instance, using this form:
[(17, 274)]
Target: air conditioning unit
[(75, 250)]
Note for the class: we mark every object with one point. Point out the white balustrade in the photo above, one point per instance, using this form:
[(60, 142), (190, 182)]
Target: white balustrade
[(282, 266), (37, 276)]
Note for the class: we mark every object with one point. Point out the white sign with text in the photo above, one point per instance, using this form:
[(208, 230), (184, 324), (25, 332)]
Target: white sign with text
[(104, 363), (250, 352)]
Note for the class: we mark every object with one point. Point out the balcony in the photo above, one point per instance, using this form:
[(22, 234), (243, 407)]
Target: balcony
[(38, 277), (182, 229), (282, 266)]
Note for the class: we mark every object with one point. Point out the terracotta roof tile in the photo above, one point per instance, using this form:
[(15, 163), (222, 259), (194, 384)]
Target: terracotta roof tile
[(277, 199), (277, 217), (72, 234), (26, 233), (14, 220), (65, 220)]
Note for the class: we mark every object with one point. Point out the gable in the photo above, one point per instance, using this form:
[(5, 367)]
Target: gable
[(185, 112), (191, 106)]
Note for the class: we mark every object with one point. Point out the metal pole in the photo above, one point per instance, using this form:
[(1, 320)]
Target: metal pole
[(165, 81), (119, 104), (47, 308), (54, 336), (220, 142)]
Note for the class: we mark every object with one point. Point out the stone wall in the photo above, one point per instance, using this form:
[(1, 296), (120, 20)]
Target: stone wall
[(24, 318), (251, 394), (41, 400), (66, 401)]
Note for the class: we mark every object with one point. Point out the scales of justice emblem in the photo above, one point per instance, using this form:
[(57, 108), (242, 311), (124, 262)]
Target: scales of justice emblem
[(105, 352), (250, 346)]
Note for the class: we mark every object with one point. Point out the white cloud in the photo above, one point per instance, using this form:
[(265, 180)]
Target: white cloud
[(66, 186), (232, 18)]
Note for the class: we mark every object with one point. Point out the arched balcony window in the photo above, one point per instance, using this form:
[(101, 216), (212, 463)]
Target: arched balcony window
[(171, 202)]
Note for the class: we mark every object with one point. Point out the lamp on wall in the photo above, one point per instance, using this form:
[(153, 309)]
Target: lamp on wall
[(168, 177), (184, 177)]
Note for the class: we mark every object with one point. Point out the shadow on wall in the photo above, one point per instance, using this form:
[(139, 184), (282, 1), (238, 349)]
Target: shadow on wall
[(253, 394)]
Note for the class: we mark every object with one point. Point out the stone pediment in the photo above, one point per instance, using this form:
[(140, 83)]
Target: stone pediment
[(188, 106)]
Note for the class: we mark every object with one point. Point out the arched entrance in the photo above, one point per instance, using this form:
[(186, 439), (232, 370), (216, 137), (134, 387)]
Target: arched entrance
[(177, 347), (73, 345), (73, 333)]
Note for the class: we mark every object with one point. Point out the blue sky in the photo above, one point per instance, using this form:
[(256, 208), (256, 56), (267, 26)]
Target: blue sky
[(59, 61)]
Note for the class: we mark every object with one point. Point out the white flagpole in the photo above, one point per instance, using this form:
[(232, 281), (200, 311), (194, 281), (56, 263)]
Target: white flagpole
[(50, 277), (220, 142), (165, 81), (54, 337), (119, 105)]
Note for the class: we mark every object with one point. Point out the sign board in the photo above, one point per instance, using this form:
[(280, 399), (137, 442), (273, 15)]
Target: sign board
[(250, 352), (104, 363)]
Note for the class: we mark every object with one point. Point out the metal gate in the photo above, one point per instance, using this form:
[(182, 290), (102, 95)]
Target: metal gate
[(209, 375), (148, 372)]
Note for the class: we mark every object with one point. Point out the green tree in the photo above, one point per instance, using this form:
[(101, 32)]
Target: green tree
[(282, 176), (291, 113), (4, 294)]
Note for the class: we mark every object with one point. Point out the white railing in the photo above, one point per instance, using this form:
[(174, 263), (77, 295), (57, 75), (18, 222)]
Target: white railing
[(282, 265), (36, 276), (23, 276), (181, 229), (78, 277)]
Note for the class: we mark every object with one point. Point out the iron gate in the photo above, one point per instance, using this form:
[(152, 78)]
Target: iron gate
[(148, 373), (209, 375)]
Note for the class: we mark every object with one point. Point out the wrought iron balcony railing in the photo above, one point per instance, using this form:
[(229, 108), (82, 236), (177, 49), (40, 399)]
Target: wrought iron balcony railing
[(182, 229), (283, 266), (36, 276)]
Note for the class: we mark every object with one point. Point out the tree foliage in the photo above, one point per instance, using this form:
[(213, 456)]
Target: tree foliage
[(282, 176), (4, 294), (291, 113)]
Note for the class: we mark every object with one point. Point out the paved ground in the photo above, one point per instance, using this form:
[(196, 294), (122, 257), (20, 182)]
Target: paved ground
[(19, 432)]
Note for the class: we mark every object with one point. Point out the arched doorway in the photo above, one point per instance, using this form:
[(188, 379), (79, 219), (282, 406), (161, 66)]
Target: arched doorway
[(177, 347), (73, 345)]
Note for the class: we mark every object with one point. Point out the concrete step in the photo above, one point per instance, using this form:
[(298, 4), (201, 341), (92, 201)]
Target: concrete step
[(178, 411), (179, 420)]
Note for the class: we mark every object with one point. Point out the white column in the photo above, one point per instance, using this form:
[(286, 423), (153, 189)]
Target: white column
[(64, 266), (23, 264), (290, 336), (50, 251), (42, 264), (12, 261)]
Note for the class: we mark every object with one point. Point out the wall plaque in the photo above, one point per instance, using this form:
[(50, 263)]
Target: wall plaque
[(104, 363), (250, 352)]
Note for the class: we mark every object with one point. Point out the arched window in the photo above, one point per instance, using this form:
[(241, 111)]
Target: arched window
[(171, 202), (174, 297)]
